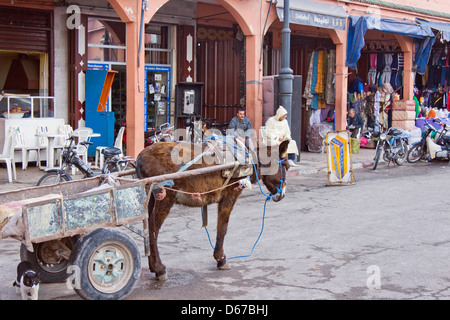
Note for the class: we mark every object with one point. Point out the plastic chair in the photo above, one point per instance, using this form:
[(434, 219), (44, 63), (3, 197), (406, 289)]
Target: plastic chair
[(42, 144), (83, 134), (262, 134), (66, 131), (118, 143), (20, 145), (7, 155)]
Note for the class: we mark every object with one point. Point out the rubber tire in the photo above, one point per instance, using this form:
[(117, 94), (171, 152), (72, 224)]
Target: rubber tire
[(53, 174), (45, 275), (93, 241), (417, 146), (401, 161), (377, 157)]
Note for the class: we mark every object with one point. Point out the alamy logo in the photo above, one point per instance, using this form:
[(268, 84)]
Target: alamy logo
[(74, 280), (74, 20), (374, 280)]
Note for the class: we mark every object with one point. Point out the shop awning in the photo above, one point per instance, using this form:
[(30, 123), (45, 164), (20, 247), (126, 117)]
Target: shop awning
[(359, 25), (316, 14), (443, 28)]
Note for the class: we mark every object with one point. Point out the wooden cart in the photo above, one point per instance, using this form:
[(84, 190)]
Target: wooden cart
[(70, 232)]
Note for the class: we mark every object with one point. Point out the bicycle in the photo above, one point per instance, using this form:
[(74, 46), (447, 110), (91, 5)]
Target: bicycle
[(113, 163)]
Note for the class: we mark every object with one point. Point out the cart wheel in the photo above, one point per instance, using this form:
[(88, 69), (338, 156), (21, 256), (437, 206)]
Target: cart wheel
[(109, 262), (48, 260)]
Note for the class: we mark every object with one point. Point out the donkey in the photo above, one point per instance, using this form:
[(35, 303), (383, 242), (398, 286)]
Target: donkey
[(157, 159)]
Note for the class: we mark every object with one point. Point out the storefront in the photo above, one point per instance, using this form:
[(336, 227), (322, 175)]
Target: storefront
[(27, 73), (100, 44), (431, 90), (316, 40), (385, 54), (106, 44)]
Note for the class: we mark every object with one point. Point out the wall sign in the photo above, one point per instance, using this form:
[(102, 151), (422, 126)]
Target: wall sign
[(313, 19)]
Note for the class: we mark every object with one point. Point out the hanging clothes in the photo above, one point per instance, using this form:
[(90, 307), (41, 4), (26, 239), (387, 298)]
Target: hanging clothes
[(315, 97), (322, 64), (330, 90), (307, 93), (387, 70), (372, 75)]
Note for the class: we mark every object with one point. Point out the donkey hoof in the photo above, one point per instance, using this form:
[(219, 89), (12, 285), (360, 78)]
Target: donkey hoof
[(161, 276), (224, 265)]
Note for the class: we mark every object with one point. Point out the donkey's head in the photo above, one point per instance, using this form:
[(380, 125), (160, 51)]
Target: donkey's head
[(272, 168)]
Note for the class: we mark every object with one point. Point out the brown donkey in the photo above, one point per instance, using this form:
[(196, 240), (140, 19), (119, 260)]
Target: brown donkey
[(159, 159)]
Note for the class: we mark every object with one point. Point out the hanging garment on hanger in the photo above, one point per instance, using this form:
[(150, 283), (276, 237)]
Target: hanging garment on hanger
[(387, 70), (315, 97), (380, 66), (322, 64), (330, 89), (372, 75), (307, 94)]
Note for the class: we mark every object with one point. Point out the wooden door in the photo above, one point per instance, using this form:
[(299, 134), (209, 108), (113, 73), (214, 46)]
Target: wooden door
[(220, 67)]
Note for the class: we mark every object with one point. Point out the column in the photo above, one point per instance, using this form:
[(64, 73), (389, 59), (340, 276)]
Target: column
[(340, 40), (253, 99)]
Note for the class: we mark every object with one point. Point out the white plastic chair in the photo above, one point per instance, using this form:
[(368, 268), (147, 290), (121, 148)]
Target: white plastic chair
[(83, 134), (42, 144), (262, 134), (118, 143), (20, 145), (65, 130), (7, 155)]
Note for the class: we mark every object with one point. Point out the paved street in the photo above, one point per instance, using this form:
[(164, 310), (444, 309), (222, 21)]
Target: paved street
[(385, 237)]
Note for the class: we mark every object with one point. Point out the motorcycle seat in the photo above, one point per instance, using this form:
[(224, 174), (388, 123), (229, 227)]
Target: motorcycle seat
[(396, 132), (111, 151), (151, 133), (219, 125)]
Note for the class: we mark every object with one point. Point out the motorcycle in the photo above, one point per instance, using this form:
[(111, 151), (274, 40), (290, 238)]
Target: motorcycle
[(114, 162), (394, 144), (434, 144), (162, 134), (198, 130)]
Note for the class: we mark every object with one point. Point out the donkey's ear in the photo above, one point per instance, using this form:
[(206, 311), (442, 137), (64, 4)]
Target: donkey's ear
[(283, 148)]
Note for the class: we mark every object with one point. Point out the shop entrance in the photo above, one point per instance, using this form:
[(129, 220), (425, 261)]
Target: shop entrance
[(106, 43)]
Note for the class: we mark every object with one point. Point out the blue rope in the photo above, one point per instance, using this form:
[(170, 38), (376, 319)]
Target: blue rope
[(268, 197)]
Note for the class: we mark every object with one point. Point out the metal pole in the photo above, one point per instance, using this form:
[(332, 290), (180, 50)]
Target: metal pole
[(286, 74)]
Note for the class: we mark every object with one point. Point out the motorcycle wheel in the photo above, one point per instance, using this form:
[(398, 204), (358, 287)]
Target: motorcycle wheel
[(415, 153), (377, 156), (53, 177), (402, 155)]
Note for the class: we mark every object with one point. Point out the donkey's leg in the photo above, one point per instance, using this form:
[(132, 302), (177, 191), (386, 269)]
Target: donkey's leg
[(159, 211), (225, 206)]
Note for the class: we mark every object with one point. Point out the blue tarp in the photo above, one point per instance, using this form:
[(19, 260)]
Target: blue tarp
[(359, 25), (444, 28)]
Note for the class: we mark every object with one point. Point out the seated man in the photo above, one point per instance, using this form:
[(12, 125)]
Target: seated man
[(354, 123), (277, 129), (240, 126)]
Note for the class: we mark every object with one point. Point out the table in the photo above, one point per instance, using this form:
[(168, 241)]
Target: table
[(76, 133), (51, 147)]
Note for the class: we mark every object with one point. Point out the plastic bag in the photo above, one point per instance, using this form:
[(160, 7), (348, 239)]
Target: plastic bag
[(355, 145)]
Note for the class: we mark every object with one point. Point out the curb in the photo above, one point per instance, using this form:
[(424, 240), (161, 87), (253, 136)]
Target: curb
[(305, 171)]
